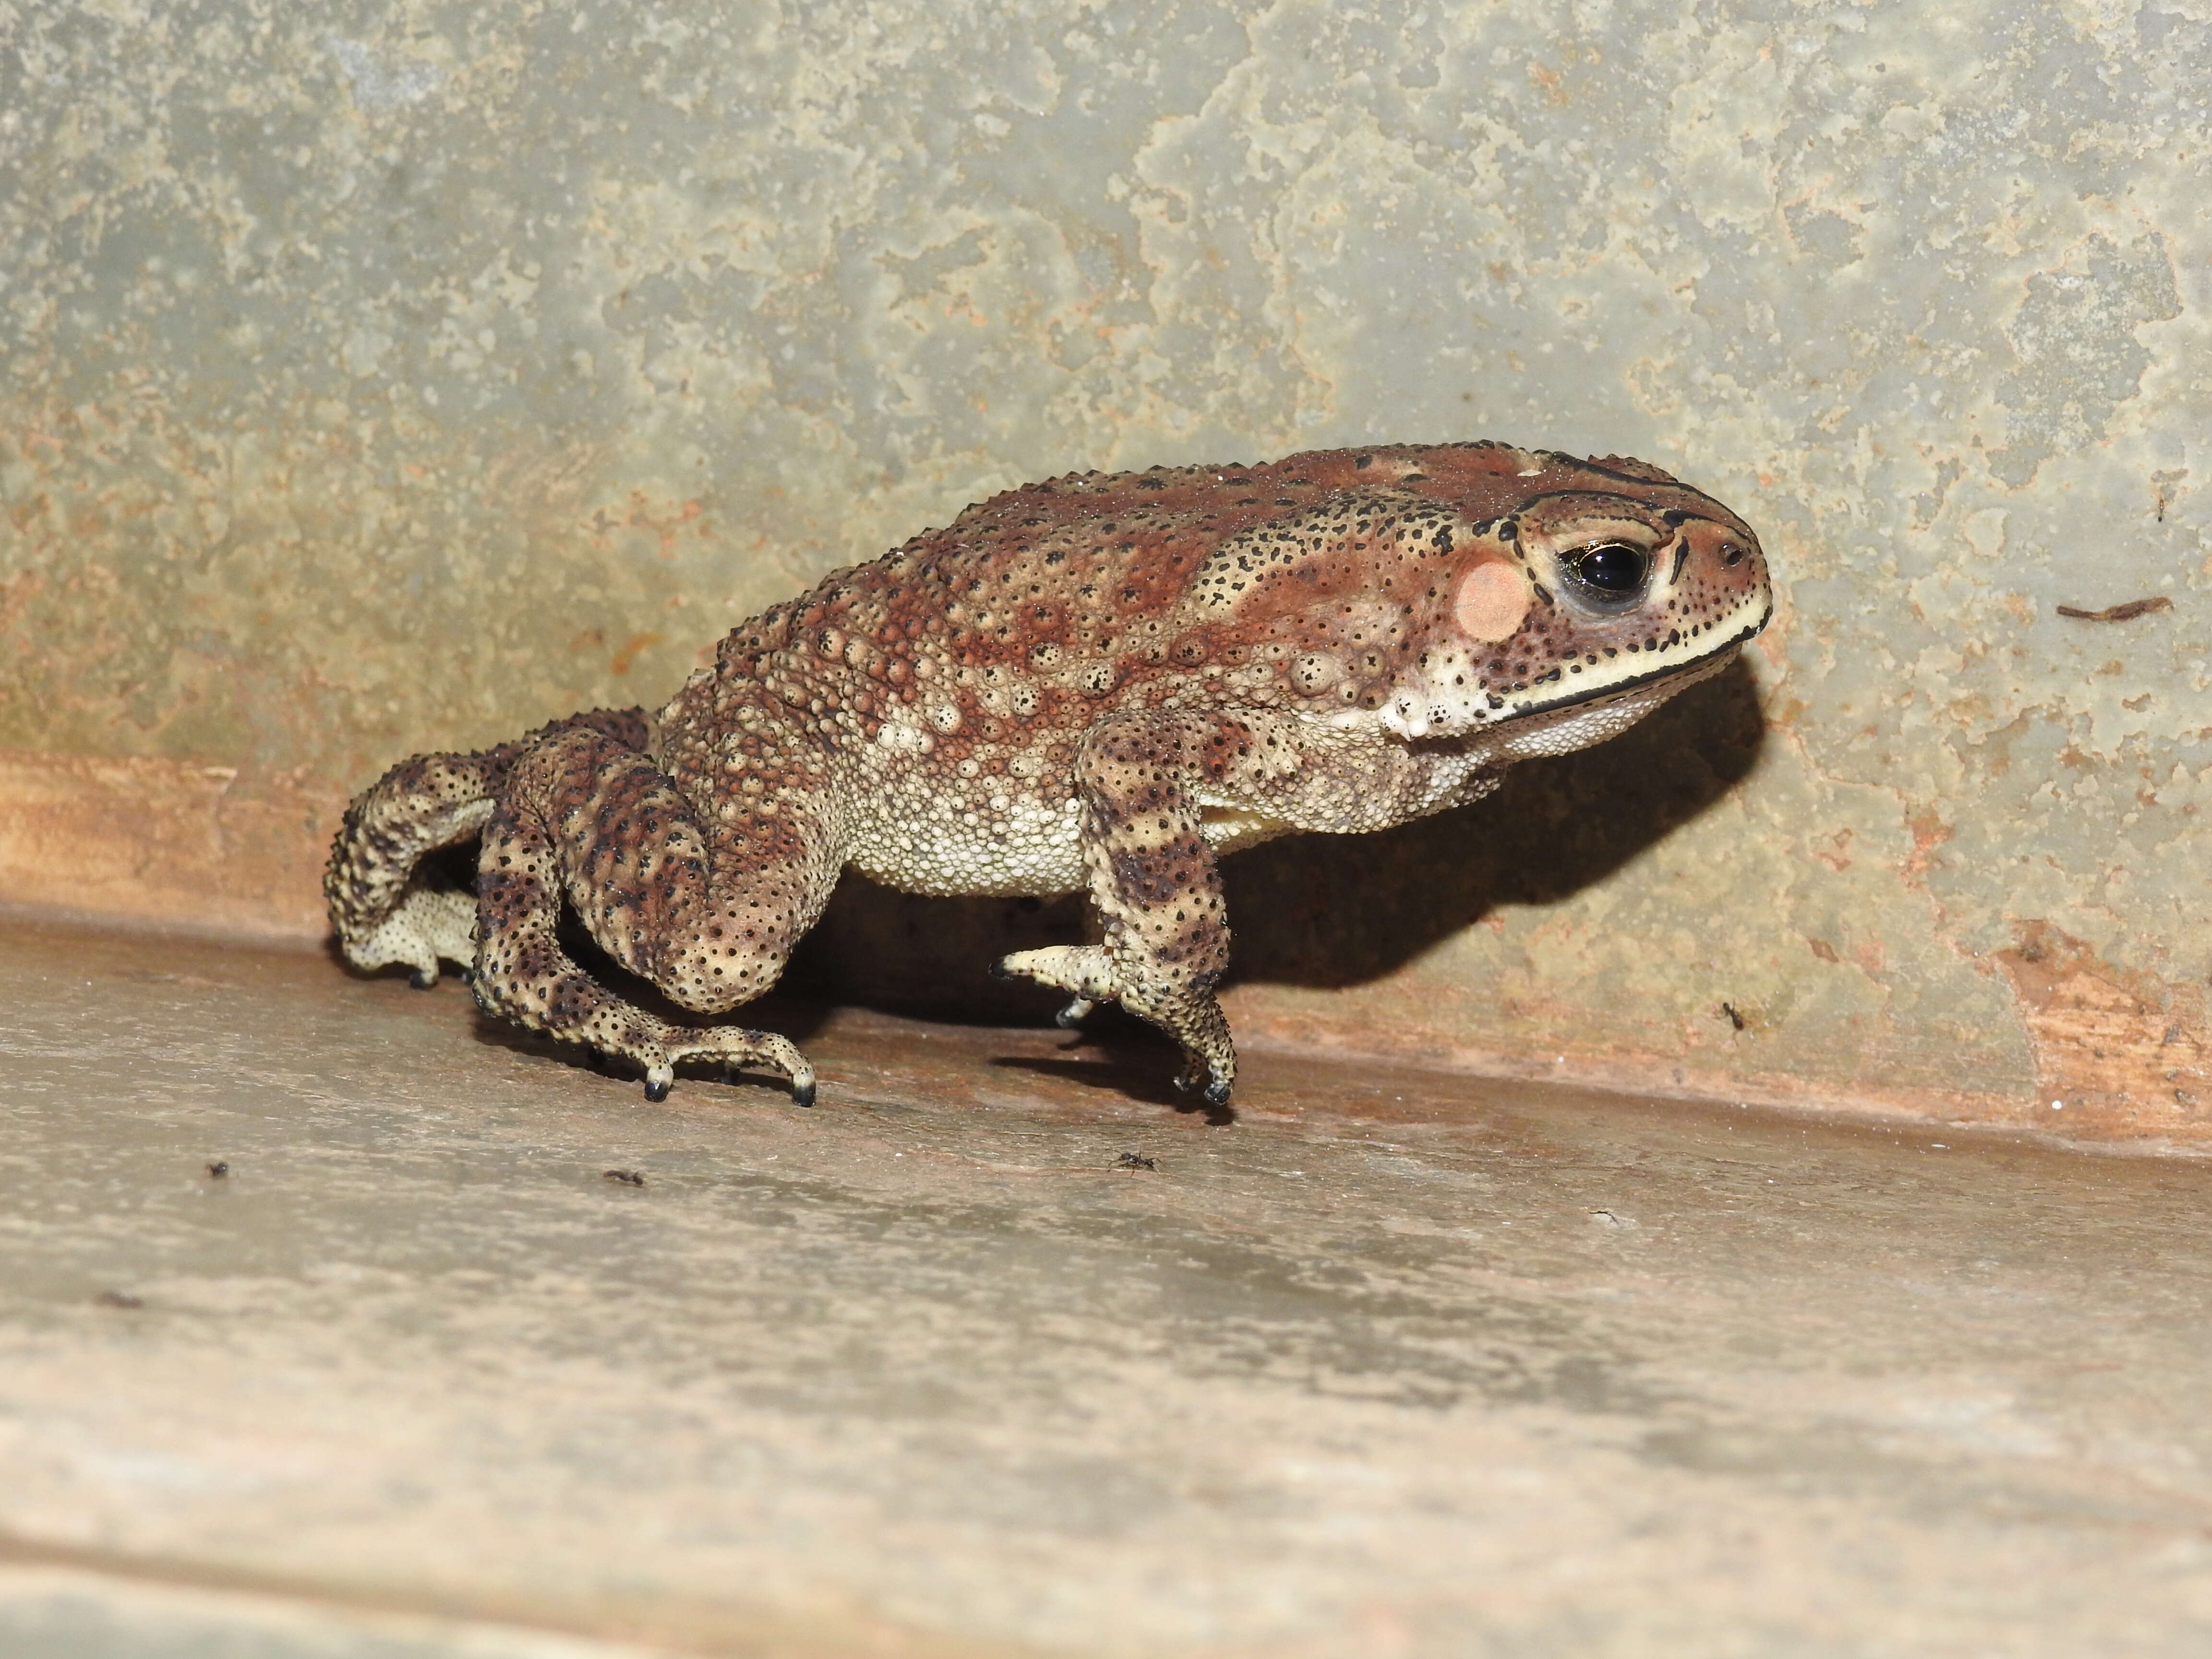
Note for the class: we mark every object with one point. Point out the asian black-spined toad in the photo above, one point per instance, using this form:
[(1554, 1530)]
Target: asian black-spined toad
[(1100, 683)]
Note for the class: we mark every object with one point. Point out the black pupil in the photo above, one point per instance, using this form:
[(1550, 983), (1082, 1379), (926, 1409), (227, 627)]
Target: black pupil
[(1612, 568)]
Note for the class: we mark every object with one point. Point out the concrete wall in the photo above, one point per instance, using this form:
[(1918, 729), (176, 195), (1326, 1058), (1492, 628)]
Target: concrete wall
[(381, 377)]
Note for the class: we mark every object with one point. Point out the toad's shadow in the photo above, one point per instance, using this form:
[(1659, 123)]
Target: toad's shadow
[(1329, 910)]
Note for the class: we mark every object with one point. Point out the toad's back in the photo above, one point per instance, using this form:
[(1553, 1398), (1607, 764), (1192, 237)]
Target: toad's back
[(1036, 612)]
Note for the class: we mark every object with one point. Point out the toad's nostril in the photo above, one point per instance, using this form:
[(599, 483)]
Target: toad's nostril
[(1732, 555)]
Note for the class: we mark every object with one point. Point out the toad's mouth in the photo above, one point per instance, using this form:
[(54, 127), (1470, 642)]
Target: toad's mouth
[(1686, 670)]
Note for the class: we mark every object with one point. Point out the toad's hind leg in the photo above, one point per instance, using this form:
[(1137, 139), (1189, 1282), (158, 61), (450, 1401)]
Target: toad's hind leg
[(706, 910), (380, 908)]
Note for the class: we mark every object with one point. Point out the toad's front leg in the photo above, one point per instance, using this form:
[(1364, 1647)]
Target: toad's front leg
[(705, 905), (1155, 883)]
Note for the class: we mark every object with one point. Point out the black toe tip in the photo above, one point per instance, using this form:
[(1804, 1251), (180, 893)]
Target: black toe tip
[(999, 970), (657, 1092), (1217, 1094), (802, 1094), (1067, 1020), (424, 978)]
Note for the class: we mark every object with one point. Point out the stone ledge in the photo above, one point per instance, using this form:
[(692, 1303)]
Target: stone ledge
[(167, 845), (162, 844)]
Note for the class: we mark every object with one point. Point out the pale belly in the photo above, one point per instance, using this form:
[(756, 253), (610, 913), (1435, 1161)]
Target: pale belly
[(1008, 846), (940, 841)]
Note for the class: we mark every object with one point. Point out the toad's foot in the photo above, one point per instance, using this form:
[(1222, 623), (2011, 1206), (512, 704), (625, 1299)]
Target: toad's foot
[(616, 1029), (1088, 973), (735, 1047), (429, 923), (1209, 1058), (1085, 971), (1218, 1082)]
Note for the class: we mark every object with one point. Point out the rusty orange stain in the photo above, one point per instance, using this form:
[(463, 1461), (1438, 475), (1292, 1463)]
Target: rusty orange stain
[(1551, 81), (630, 648), (2130, 1050), (666, 523), (17, 592), (1837, 854), (1928, 833)]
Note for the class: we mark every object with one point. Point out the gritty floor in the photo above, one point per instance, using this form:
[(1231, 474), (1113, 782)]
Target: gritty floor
[(1398, 1364)]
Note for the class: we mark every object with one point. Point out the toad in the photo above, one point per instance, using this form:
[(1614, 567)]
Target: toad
[(1100, 684)]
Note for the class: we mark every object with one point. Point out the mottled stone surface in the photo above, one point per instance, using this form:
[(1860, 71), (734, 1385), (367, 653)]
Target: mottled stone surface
[(379, 377), (1397, 1363)]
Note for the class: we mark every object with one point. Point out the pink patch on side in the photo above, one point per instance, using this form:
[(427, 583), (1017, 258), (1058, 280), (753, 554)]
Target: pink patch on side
[(1492, 600)]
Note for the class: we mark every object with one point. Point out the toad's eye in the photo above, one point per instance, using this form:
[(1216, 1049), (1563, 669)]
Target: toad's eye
[(1609, 570)]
